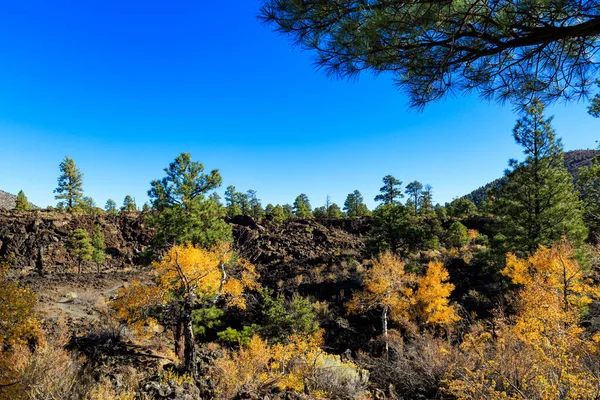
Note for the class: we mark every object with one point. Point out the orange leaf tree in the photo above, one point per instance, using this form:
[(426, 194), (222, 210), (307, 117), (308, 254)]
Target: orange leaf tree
[(543, 352), (405, 296), (188, 277)]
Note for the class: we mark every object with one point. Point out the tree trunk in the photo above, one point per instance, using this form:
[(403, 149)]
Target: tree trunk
[(178, 339), (189, 350), (385, 329)]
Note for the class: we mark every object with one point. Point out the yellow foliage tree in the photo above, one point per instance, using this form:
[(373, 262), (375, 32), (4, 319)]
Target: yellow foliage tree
[(543, 353), (432, 297), (299, 365), (18, 324), (186, 278), (404, 296)]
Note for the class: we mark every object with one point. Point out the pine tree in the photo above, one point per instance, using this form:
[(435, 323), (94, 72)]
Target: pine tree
[(21, 203), (390, 191), (413, 191), (269, 209), (184, 213), (426, 202), (129, 204), (70, 184), (279, 214), (302, 207), (320, 212), (355, 205), (80, 247), (538, 204), (111, 207), (334, 211), (98, 254), (288, 211), (457, 235), (256, 210), (232, 202), (588, 184)]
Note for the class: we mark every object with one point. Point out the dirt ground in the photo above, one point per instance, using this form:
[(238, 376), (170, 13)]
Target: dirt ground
[(78, 298)]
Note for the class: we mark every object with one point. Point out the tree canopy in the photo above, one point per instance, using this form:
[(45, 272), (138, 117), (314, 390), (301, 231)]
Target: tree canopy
[(507, 50)]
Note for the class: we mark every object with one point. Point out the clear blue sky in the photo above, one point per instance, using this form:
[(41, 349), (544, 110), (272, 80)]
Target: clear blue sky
[(123, 89)]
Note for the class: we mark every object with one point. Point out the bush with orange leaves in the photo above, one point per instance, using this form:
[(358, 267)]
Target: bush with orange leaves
[(543, 352), (300, 365), (188, 277)]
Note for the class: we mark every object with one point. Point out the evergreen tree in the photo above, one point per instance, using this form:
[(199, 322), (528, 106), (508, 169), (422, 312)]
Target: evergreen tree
[(244, 203), (145, 207), (440, 212), (111, 206), (21, 203), (457, 235), (355, 205), (87, 205), (70, 184), (232, 202), (98, 254), (413, 191), (588, 184), (269, 209), (538, 204), (183, 213), (302, 208), (80, 247), (256, 210), (426, 202), (389, 226), (279, 214), (461, 208), (288, 211), (334, 211), (390, 191), (320, 212), (129, 204)]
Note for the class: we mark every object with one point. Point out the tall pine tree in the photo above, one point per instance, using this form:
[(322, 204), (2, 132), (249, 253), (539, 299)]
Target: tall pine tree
[(70, 184), (539, 204), (21, 202)]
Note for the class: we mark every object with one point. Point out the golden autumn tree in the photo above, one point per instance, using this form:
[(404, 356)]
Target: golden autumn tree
[(543, 352), (405, 296), (18, 323), (187, 278), (299, 365), (387, 287), (432, 297)]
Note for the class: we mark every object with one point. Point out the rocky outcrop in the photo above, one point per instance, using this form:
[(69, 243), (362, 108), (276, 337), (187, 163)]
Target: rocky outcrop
[(27, 235), (291, 249), (279, 249)]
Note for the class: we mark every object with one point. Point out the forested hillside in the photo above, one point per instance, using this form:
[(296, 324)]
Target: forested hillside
[(574, 160)]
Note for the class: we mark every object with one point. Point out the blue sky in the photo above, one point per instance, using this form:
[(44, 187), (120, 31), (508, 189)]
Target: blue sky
[(123, 89)]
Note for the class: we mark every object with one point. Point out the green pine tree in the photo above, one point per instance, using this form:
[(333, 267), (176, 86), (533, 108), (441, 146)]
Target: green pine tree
[(457, 235), (184, 213), (413, 191), (232, 202), (538, 204), (80, 247), (129, 204), (99, 252), (390, 192), (279, 214), (70, 185), (302, 208), (334, 211), (21, 202), (110, 207), (355, 205)]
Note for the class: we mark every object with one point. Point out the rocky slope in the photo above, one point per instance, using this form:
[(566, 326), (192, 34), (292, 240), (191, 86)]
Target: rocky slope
[(277, 249), (27, 235), (8, 201)]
